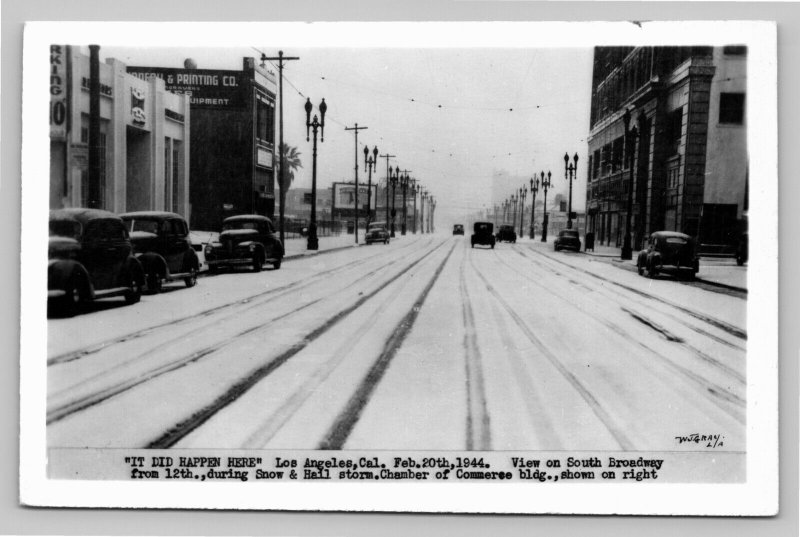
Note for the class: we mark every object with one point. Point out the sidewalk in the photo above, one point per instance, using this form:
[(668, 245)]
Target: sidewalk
[(722, 271)]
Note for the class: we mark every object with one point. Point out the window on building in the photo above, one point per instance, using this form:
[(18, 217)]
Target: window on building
[(735, 50), (265, 120), (167, 173), (675, 130), (616, 155), (596, 164), (731, 108), (177, 178)]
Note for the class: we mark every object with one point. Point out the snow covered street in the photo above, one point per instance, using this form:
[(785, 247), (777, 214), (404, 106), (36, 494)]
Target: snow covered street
[(424, 344)]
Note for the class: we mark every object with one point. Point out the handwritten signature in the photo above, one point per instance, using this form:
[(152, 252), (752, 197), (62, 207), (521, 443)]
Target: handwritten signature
[(710, 440)]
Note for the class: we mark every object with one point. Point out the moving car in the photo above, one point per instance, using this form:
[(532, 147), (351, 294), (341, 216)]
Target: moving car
[(247, 239), (483, 233), (89, 257), (458, 229), (567, 238), (506, 233), (376, 232), (161, 243), (668, 251)]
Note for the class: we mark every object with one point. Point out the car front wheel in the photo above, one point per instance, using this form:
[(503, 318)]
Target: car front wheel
[(153, 283), (191, 279), (277, 264), (134, 292), (71, 303), (257, 263)]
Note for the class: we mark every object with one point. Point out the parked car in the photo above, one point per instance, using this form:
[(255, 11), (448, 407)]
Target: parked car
[(668, 251), (89, 257), (506, 233), (741, 249), (161, 243), (376, 232), (483, 233), (247, 239), (458, 229), (567, 238)]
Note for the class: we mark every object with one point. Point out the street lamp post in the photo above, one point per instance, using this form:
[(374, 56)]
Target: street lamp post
[(393, 179), (414, 190), (514, 202), (534, 190), (570, 173), (314, 124), (370, 164), (524, 192), (404, 184), (387, 156), (545, 216), (422, 197), (355, 130), (433, 214), (630, 144)]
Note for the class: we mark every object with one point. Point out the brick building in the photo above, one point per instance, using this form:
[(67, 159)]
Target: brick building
[(686, 143)]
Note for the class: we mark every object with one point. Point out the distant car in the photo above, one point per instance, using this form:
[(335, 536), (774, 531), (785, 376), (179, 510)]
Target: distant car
[(458, 229), (161, 243), (741, 249), (376, 232), (89, 257), (247, 239), (506, 233), (668, 251), (483, 233), (567, 238)]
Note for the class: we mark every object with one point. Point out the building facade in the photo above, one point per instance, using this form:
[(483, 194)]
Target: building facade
[(681, 160), (232, 138), (143, 139)]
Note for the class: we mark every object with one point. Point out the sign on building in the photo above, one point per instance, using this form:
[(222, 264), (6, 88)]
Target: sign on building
[(58, 92), (207, 88), (344, 199)]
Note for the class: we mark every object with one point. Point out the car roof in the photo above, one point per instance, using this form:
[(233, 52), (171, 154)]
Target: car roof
[(81, 214), (246, 218), (151, 214), (666, 234)]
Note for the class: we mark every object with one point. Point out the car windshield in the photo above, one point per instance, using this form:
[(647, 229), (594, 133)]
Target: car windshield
[(65, 228), (150, 226), (571, 234), (375, 227), (676, 240), (241, 224)]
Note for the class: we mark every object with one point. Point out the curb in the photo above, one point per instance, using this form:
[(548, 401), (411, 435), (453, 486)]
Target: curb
[(319, 252), (620, 264)]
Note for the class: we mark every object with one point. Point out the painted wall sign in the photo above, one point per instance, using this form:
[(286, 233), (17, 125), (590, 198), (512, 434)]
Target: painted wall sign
[(206, 88), (138, 117), (58, 92)]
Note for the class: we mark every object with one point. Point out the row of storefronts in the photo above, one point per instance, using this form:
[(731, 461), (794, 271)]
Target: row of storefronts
[(197, 142)]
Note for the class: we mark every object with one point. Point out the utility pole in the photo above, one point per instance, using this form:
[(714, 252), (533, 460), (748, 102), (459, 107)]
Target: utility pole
[(355, 130), (387, 157), (282, 192)]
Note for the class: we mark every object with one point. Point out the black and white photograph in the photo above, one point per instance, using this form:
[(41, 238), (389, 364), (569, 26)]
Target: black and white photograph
[(461, 267)]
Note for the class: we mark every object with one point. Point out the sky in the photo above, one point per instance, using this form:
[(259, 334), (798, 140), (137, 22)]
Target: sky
[(453, 117)]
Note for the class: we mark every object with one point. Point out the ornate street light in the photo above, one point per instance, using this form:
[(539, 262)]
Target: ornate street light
[(370, 165), (423, 196), (545, 186), (570, 173), (630, 145), (534, 190), (414, 197), (314, 124), (524, 192), (393, 179), (404, 181)]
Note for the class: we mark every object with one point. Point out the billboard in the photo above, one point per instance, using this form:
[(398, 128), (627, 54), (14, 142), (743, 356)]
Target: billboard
[(344, 198)]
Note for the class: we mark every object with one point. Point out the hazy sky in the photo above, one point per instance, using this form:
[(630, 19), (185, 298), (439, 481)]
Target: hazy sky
[(454, 117)]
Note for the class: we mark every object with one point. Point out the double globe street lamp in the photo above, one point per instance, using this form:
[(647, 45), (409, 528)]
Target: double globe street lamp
[(314, 124), (524, 193), (534, 190), (545, 186), (370, 164), (570, 173), (394, 178)]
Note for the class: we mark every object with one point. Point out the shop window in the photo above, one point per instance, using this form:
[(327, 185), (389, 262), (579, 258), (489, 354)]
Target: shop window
[(731, 108), (265, 120)]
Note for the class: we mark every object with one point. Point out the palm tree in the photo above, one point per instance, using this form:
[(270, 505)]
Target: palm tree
[(290, 161)]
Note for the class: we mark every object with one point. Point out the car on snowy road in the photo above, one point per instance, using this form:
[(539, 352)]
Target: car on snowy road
[(483, 234), (247, 239), (458, 229), (668, 251), (161, 243), (89, 257), (567, 238), (376, 232), (506, 233)]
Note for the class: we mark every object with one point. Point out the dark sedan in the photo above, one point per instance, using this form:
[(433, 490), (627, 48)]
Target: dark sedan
[(89, 257), (567, 239), (483, 234), (376, 232), (247, 239), (506, 233), (668, 251)]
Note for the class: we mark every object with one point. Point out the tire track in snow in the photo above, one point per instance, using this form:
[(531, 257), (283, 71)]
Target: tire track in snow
[(183, 428), (614, 294), (478, 424), (722, 325), (603, 415), (296, 285), (343, 425), (712, 391)]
